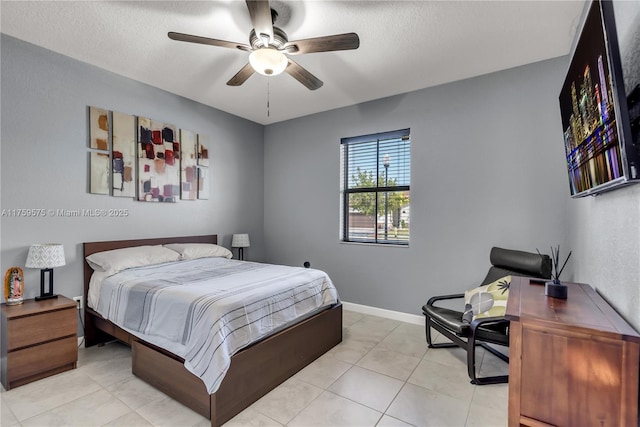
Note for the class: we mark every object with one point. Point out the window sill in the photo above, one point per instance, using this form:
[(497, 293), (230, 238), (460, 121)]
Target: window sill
[(384, 245)]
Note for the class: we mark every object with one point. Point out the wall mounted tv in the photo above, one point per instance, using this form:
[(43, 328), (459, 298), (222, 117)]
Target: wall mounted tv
[(600, 100)]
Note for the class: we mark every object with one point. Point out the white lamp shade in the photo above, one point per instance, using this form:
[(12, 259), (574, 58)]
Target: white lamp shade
[(45, 255), (240, 241), (268, 61)]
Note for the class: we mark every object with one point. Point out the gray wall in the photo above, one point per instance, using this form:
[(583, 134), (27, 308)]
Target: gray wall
[(605, 230), (605, 238), (487, 169), (45, 99)]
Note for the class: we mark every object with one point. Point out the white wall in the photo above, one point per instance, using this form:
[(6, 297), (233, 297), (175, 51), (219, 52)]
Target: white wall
[(487, 169), (45, 99)]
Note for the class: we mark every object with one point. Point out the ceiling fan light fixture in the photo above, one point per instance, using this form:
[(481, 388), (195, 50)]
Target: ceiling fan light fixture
[(268, 61)]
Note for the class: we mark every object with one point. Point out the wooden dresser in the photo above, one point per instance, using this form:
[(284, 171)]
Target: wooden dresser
[(573, 362), (38, 339)]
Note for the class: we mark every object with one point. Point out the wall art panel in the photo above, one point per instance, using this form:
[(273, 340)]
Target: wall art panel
[(158, 161), (98, 128), (203, 151), (123, 155), (203, 183), (188, 161), (99, 166)]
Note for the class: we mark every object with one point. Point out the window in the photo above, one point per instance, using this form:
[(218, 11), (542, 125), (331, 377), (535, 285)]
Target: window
[(375, 176)]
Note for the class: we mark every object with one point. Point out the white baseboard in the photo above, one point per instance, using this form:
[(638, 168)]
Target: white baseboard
[(381, 312)]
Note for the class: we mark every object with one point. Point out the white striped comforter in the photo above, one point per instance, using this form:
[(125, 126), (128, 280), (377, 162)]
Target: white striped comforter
[(205, 310)]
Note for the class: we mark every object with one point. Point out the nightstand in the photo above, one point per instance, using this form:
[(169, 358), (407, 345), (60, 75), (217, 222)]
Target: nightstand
[(37, 339)]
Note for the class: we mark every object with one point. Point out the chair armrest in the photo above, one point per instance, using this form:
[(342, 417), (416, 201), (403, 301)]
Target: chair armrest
[(487, 321), (444, 297)]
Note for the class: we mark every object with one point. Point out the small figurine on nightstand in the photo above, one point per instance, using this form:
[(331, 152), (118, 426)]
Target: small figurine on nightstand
[(13, 286)]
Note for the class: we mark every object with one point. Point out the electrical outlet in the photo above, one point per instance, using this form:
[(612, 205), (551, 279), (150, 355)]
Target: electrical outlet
[(78, 301)]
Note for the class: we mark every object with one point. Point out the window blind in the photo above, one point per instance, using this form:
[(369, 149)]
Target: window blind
[(375, 177)]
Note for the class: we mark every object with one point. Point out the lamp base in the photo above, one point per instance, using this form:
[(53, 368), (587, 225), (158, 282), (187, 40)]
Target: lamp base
[(49, 293)]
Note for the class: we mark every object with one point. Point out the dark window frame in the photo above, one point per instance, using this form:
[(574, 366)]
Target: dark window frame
[(379, 191)]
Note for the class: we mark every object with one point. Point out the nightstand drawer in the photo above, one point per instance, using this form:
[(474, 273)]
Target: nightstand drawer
[(30, 330), (46, 357)]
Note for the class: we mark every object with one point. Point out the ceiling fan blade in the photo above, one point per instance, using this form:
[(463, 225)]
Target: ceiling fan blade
[(206, 40), (347, 41), (260, 12), (241, 76), (299, 73)]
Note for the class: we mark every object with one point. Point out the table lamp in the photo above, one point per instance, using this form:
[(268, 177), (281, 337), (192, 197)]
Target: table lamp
[(240, 241), (45, 256)]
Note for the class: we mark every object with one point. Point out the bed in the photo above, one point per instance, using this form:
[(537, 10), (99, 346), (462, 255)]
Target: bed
[(253, 371)]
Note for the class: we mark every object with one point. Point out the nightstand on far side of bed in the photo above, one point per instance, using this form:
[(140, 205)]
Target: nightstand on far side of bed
[(37, 339)]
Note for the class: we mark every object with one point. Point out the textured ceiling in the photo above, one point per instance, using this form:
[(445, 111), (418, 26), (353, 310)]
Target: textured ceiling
[(404, 45)]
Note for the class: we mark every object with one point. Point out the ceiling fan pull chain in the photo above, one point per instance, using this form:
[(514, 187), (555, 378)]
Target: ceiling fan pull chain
[(268, 96)]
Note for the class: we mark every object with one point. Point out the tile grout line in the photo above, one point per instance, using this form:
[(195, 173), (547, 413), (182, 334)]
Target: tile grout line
[(326, 389)]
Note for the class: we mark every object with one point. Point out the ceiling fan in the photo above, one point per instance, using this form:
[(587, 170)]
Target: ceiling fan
[(269, 46)]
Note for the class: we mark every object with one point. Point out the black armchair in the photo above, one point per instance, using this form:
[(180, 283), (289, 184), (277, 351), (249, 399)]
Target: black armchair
[(489, 330)]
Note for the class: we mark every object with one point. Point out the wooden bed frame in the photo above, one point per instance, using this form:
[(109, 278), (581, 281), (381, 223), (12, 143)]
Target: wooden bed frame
[(254, 371)]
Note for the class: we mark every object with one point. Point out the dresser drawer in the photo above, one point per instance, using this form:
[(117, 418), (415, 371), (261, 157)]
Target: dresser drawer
[(38, 328), (42, 358)]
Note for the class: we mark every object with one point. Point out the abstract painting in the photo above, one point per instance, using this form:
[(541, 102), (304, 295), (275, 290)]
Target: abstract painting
[(203, 151), (188, 145), (158, 161), (123, 155), (203, 183), (98, 128), (99, 166)]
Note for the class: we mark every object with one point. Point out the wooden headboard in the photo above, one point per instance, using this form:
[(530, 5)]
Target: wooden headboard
[(93, 247), (95, 327)]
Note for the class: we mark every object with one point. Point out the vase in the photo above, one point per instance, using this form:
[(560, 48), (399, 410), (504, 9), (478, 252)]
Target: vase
[(555, 289)]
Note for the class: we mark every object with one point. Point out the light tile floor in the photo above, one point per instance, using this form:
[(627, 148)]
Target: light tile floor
[(382, 374)]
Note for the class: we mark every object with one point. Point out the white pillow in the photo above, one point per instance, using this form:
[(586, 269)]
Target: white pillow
[(199, 250), (117, 260)]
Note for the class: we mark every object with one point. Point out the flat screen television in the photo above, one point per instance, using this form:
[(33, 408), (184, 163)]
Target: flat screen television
[(600, 100)]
